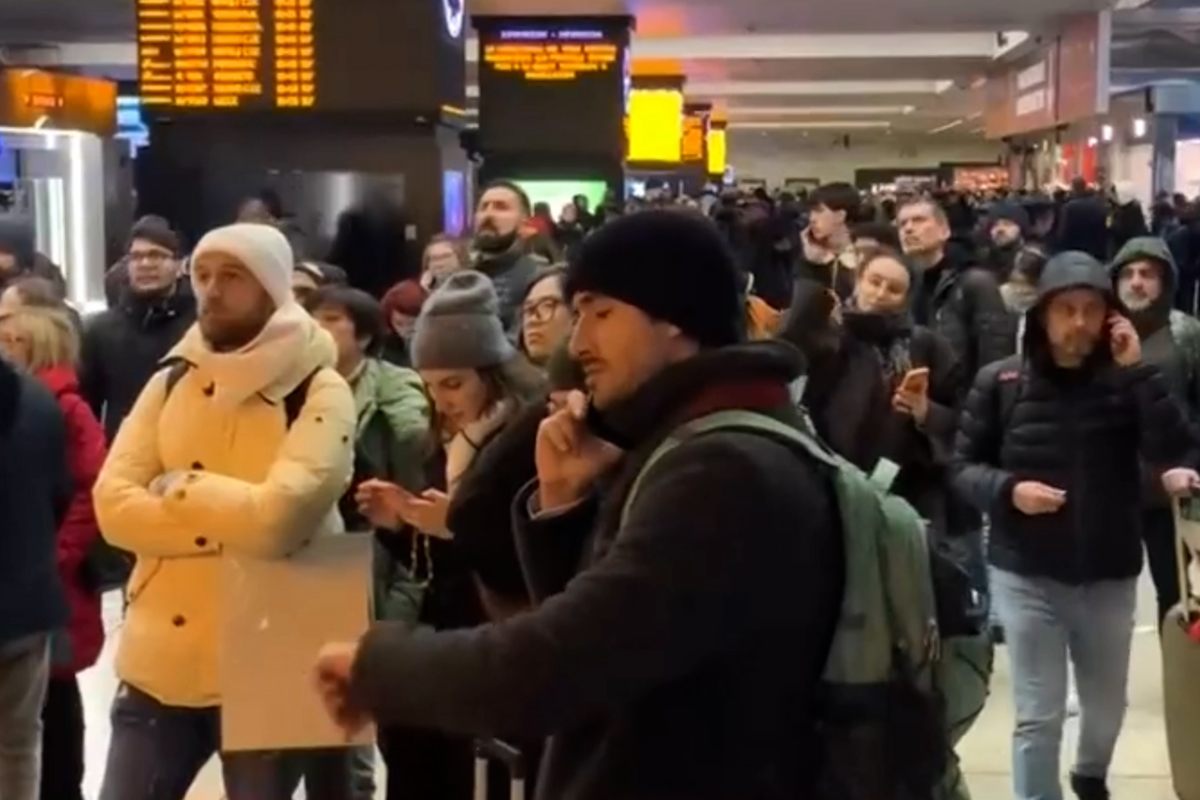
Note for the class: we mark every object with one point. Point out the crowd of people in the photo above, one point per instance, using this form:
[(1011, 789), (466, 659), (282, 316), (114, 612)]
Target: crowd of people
[(639, 482)]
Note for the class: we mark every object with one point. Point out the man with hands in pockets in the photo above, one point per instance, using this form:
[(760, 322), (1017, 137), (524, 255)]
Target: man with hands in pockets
[(677, 639), (1051, 445)]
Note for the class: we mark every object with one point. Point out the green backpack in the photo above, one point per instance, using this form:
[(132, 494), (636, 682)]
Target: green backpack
[(882, 724)]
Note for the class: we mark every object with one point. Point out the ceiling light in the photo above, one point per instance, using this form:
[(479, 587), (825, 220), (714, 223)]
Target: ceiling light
[(948, 126), (1106, 133), (1139, 127), (838, 125), (1092, 141), (800, 111)]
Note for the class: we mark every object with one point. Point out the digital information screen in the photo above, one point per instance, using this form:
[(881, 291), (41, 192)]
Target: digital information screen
[(552, 88), (694, 145), (202, 54)]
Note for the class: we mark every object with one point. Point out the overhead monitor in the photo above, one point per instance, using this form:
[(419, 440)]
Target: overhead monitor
[(300, 55), (553, 85)]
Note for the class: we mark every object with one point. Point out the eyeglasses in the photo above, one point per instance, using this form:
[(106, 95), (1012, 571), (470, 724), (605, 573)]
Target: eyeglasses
[(541, 311), (149, 256)]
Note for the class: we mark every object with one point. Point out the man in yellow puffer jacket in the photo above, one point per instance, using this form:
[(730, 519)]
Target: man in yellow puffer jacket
[(207, 460)]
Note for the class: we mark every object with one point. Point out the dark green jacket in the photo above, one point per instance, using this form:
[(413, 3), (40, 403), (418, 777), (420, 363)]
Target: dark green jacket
[(392, 444)]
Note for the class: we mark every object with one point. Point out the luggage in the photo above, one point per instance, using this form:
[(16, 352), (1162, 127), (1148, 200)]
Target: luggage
[(1181, 666), (489, 750)]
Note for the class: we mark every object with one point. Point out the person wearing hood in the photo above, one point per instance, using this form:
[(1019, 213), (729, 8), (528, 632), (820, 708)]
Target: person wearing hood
[(1144, 276), (499, 251), (259, 372), (701, 616), (1083, 227), (1049, 446), (1006, 227)]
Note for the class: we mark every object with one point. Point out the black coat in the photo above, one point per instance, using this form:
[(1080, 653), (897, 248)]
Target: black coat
[(36, 490), (682, 657), (1081, 430), (122, 348), (962, 304)]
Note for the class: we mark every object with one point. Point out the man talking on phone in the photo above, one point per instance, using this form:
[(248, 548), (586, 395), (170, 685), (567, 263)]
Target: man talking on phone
[(1049, 446), (678, 637)]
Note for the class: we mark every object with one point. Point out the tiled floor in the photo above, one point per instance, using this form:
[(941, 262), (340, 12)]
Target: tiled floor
[(1140, 772)]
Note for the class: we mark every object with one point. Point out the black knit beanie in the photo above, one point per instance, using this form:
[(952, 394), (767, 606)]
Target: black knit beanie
[(674, 266)]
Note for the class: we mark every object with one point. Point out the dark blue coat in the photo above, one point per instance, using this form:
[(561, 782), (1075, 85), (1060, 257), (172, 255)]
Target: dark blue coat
[(34, 492)]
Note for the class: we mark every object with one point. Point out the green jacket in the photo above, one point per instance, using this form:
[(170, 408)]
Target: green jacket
[(392, 441)]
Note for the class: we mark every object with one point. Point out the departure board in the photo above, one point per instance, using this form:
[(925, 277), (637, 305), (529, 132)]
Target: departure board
[(552, 86), (228, 54)]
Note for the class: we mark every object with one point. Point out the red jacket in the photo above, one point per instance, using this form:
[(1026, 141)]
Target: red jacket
[(85, 455)]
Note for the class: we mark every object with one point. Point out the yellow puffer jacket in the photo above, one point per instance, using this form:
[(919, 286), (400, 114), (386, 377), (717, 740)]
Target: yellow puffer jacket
[(239, 478)]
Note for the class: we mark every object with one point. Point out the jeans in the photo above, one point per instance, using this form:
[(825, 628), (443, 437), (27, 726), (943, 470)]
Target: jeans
[(62, 741), (156, 751), (24, 671), (1044, 621), (1162, 553)]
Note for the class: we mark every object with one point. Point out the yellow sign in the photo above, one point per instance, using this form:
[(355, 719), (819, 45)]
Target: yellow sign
[(694, 133), (716, 150), (551, 61), (655, 126), (227, 53)]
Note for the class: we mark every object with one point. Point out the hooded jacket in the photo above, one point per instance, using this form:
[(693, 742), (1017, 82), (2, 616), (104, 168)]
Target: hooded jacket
[(1083, 430), (238, 478)]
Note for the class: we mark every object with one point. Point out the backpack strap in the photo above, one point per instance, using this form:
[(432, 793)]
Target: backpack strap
[(731, 420), (176, 368), (293, 403)]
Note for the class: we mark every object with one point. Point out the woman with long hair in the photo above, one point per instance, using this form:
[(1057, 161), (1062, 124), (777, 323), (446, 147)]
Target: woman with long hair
[(477, 382), (45, 342), (545, 315)]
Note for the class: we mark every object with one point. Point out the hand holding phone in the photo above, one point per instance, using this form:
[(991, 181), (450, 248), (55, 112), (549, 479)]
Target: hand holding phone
[(915, 381), (1124, 341)]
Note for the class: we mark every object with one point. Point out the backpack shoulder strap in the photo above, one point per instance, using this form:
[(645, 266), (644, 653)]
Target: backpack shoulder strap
[(294, 402), (176, 369), (735, 419)]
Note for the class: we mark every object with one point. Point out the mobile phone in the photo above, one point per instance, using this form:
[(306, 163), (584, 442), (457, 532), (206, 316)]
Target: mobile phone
[(916, 381)]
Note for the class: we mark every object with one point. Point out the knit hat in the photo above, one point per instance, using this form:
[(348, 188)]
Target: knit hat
[(1012, 212), (459, 326), (261, 249), (674, 266)]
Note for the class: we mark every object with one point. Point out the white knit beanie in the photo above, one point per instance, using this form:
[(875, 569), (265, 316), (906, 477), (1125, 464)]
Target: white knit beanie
[(261, 249)]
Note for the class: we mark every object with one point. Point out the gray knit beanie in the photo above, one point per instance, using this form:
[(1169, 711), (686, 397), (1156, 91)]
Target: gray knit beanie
[(459, 326)]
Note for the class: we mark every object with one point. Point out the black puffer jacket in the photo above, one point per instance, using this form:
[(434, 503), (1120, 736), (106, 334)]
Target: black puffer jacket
[(1080, 430), (961, 302)]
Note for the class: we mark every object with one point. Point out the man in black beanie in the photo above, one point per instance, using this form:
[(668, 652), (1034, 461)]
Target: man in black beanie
[(678, 632)]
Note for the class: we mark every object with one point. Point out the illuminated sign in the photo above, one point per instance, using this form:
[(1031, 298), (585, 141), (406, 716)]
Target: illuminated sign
[(541, 55), (693, 148), (205, 54), (655, 129), (32, 98), (552, 86), (716, 148)]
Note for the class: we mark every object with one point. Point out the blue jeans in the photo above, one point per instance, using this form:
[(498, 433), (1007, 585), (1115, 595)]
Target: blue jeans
[(156, 752), (1044, 621)]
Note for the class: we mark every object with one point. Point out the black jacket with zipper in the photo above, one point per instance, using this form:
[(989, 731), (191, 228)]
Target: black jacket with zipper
[(1084, 431)]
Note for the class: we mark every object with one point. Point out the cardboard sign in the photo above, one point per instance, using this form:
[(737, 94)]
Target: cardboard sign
[(276, 615)]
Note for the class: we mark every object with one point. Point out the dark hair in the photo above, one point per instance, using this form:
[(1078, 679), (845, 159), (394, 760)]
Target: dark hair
[(1028, 264), (838, 197), (522, 196), (869, 255), (363, 311), (515, 379), (38, 292), (883, 233)]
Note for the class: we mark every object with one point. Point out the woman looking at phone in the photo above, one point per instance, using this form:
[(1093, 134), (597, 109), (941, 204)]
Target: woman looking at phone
[(477, 382)]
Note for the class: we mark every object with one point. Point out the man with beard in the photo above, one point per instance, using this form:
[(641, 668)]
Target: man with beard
[(1049, 446), (1145, 276), (243, 444), (1007, 225), (498, 250)]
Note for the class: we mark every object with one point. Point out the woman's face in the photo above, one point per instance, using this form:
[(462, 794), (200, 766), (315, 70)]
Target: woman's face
[(14, 346), (441, 259), (341, 328), (403, 324), (545, 319), (459, 395), (882, 286)]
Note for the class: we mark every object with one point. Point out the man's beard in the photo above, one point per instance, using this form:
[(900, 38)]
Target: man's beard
[(489, 240), (1136, 303)]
